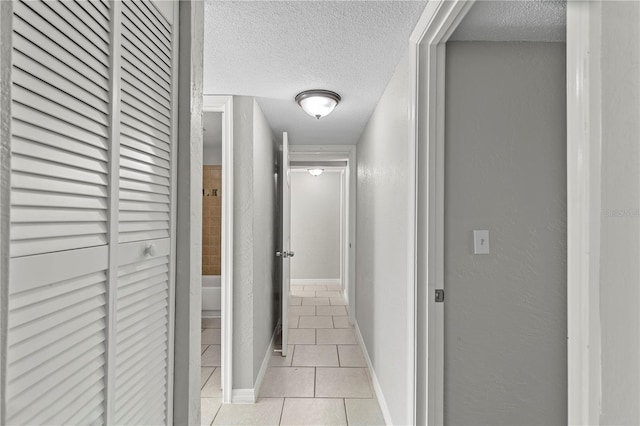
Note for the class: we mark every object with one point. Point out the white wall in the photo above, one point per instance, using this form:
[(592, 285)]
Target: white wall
[(505, 171), (382, 232), (254, 248), (620, 219), (315, 225), (212, 138), (264, 199)]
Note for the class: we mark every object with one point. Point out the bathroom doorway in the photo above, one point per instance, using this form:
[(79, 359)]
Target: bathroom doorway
[(211, 339), (215, 313)]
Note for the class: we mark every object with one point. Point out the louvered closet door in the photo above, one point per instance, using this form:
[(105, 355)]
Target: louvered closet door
[(57, 316), (143, 329), (92, 226)]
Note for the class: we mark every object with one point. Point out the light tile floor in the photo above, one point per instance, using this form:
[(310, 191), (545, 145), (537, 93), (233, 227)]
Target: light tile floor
[(323, 380)]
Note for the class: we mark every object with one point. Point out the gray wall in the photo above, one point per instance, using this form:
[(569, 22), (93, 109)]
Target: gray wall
[(254, 203), (212, 138), (505, 171), (315, 225), (381, 268), (264, 199), (188, 304), (620, 220)]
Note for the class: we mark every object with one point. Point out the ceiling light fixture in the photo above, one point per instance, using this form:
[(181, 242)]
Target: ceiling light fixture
[(318, 103), (315, 172)]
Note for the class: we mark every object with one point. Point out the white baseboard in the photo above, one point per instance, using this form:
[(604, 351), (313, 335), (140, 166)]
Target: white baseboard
[(250, 396), (376, 385), (243, 396), (265, 363), (315, 281)]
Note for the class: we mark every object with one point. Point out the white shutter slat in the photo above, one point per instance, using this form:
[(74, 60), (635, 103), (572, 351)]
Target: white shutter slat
[(68, 185), (154, 168), (138, 123), (38, 122), (143, 235), (145, 108), (21, 248), (160, 38), (91, 8), (55, 339), (35, 44), (130, 216), (132, 206), (158, 123), (132, 75), (93, 95), (88, 106), (38, 105), (143, 186), (26, 133), (67, 403), (132, 54), (132, 93), (159, 19), (62, 35), (57, 71), (27, 148), (42, 199), (141, 357), (77, 15), (23, 215), (44, 230), (144, 157), (134, 175), (149, 47), (54, 177), (132, 132), (94, 41)]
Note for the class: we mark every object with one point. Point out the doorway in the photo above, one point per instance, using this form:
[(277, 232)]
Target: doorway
[(455, 177), (215, 312)]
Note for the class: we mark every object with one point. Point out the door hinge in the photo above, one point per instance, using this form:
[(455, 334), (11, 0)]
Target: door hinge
[(439, 296)]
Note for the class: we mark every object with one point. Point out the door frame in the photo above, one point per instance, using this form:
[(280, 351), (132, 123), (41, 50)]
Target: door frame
[(224, 105), (322, 153), (427, 53)]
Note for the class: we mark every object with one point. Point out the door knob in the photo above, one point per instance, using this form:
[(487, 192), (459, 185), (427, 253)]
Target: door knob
[(150, 250), (291, 254), (283, 254)]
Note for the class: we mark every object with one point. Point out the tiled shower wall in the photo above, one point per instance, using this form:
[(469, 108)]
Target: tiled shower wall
[(211, 219)]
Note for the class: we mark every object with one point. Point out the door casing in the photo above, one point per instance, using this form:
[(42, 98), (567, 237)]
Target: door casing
[(427, 52)]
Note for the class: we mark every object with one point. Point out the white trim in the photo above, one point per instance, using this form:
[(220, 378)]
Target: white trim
[(250, 396), (265, 364), (175, 46), (224, 104), (114, 210), (426, 212), (583, 211), (427, 56), (374, 379), (315, 281), (243, 396)]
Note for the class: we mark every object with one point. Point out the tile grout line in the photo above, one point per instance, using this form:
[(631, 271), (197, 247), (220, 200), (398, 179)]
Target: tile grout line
[(282, 411)]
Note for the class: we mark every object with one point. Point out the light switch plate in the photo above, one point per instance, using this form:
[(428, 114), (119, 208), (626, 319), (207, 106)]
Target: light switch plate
[(481, 241)]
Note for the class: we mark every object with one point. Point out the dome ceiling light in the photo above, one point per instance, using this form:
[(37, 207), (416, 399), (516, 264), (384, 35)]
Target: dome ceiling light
[(318, 103), (315, 172)]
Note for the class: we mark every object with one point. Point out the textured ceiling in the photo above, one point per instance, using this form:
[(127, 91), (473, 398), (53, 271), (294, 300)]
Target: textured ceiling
[(274, 49), (514, 20)]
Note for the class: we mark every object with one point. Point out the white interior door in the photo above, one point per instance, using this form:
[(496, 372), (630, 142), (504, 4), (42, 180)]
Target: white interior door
[(89, 335), (286, 253)]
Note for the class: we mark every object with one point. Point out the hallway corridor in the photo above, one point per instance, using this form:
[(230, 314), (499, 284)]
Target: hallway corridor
[(323, 381)]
